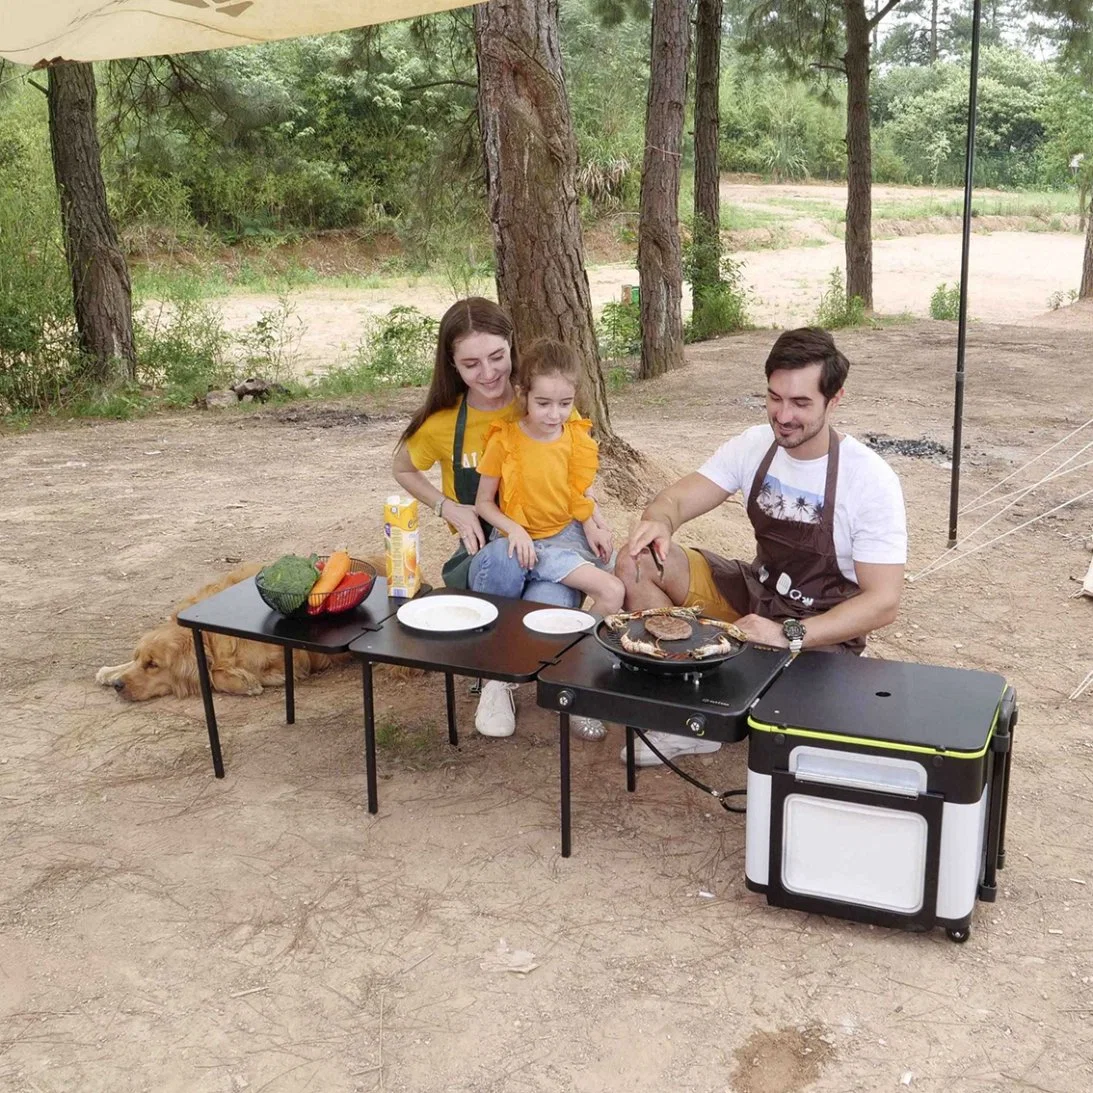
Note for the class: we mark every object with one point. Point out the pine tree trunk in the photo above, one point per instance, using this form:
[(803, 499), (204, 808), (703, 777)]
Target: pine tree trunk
[(1085, 290), (101, 292), (531, 163), (707, 220), (933, 31), (659, 253), (859, 157)]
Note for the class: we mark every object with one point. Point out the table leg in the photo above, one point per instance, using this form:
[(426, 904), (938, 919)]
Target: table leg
[(449, 695), (207, 698), (369, 736), (563, 758), (631, 773), (290, 689)]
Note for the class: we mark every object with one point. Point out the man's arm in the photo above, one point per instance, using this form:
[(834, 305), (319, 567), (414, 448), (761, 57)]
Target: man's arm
[(876, 606), (682, 501)]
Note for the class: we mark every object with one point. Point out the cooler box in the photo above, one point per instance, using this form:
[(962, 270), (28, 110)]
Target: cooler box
[(877, 790)]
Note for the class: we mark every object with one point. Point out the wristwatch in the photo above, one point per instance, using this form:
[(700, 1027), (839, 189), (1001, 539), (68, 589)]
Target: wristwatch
[(794, 631)]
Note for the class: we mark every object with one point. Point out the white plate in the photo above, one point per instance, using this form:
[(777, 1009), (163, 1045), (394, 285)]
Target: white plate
[(558, 620), (447, 614)]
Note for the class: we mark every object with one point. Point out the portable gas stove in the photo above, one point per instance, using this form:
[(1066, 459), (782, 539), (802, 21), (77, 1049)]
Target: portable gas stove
[(591, 681)]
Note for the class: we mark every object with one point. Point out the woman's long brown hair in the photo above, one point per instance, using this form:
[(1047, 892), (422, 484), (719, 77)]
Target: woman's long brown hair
[(475, 315)]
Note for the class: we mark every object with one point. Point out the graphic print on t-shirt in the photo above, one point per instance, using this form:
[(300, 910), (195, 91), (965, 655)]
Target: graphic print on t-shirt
[(782, 502)]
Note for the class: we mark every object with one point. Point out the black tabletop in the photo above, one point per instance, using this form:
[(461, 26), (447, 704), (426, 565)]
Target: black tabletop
[(239, 611), (505, 649), (949, 709), (602, 687)]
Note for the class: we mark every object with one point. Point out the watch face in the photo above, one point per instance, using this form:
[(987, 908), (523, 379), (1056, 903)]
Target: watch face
[(793, 629)]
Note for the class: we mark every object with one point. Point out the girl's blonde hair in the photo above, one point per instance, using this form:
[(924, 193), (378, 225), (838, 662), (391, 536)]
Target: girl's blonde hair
[(545, 357)]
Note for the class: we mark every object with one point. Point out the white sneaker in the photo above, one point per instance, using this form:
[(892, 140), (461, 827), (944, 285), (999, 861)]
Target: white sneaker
[(587, 728), (670, 747), (496, 713)]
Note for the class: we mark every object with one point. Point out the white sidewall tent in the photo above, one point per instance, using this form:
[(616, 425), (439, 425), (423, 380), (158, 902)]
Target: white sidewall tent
[(106, 30)]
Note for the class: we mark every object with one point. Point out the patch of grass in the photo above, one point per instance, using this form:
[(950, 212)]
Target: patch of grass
[(422, 747), (737, 218), (1045, 203), (836, 311), (945, 302)]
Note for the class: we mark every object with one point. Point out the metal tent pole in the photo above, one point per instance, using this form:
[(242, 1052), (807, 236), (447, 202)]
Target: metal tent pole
[(962, 318)]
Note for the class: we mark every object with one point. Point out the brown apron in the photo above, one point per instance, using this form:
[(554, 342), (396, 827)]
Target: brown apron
[(796, 570)]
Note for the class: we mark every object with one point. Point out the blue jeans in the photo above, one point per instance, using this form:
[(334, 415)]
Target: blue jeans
[(493, 571)]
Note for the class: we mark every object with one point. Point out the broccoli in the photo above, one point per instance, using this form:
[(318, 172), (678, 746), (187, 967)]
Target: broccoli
[(289, 579)]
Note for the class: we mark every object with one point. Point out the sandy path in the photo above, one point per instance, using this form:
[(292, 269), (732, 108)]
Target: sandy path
[(1011, 277)]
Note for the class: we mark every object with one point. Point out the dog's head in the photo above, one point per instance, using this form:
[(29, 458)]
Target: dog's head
[(163, 664)]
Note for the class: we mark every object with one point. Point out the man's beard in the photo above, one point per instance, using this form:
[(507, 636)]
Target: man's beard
[(796, 438)]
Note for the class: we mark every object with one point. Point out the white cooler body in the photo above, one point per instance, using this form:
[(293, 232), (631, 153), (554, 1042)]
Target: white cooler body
[(859, 831)]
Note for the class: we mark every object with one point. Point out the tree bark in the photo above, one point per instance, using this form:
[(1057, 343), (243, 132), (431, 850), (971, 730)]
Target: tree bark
[(707, 219), (859, 157), (659, 253), (1085, 289), (933, 31), (101, 292), (531, 163)]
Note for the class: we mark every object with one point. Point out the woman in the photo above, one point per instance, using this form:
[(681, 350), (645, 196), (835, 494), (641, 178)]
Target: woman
[(472, 388)]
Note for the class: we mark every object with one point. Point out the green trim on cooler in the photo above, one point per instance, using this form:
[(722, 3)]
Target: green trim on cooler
[(887, 745)]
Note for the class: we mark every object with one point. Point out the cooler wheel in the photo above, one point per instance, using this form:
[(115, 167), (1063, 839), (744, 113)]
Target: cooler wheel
[(959, 935)]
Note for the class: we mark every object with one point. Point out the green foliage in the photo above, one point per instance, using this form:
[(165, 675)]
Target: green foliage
[(774, 126), (836, 311), (945, 302), (38, 354), (1058, 299), (182, 350), (398, 351), (718, 306), (271, 345), (619, 329)]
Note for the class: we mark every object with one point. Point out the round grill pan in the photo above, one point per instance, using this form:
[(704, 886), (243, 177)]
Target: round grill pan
[(677, 662)]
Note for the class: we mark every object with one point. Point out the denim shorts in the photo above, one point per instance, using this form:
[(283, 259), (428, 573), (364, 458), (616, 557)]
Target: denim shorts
[(555, 558)]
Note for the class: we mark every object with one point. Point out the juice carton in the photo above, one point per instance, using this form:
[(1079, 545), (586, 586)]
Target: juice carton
[(400, 540)]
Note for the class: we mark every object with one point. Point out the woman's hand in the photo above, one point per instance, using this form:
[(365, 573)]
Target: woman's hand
[(466, 523), (521, 545)]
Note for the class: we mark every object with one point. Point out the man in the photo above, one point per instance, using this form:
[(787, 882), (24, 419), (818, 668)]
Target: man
[(828, 515)]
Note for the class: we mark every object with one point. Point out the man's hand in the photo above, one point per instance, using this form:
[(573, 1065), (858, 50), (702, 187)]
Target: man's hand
[(521, 545), (763, 631), (655, 532), (599, 538)]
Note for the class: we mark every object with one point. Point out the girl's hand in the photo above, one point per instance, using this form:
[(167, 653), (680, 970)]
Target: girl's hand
[(599, 538), (521, 545), (465, 521)]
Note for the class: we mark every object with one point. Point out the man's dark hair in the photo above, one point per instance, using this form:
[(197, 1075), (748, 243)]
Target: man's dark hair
[(810, 345)]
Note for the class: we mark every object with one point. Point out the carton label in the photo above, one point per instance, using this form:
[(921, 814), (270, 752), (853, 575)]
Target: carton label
[(400, 540)]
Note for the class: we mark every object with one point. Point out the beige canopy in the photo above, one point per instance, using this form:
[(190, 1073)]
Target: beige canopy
[(101, 30)]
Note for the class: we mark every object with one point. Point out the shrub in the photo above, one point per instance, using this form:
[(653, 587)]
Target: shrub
[(945, 302), (181, 349), (836, 311), (398, 351), (619, 329)]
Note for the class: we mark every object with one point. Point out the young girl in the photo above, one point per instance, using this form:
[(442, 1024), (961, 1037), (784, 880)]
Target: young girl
[(543, 463)]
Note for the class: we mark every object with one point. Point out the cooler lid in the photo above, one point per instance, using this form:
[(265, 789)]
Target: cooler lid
[(893, 704)]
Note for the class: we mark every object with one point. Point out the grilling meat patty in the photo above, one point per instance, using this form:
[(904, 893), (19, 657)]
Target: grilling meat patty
[(668, 627)]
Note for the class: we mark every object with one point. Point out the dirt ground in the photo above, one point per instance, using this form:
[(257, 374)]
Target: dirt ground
[(1013, 273), (161, 930)]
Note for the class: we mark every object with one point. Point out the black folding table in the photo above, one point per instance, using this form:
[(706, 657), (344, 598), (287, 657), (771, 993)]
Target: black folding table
[(590, 681), (240, 612), (504, 650)]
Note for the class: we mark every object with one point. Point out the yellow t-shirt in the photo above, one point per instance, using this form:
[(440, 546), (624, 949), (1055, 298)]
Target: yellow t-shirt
[(433, 441), (542, 482)]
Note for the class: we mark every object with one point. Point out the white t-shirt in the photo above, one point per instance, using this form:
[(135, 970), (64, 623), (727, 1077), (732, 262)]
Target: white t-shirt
[(870, 519)]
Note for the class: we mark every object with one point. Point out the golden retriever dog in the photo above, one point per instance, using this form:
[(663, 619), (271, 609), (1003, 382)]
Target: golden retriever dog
[(164, 661)]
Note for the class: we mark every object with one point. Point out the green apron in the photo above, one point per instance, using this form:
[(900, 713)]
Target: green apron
[(456, 569)]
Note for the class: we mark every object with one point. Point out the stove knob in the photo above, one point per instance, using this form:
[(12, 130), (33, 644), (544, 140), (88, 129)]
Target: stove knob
[(565, 699), (697, 724)]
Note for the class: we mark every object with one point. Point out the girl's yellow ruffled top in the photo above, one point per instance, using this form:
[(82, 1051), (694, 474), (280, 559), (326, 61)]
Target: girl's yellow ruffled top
[(542, 482)]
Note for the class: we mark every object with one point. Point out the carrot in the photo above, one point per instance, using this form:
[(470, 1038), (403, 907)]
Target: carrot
[(337, 566)]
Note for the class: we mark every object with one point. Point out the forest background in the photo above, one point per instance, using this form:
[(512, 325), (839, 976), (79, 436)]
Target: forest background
[(217, 164)]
